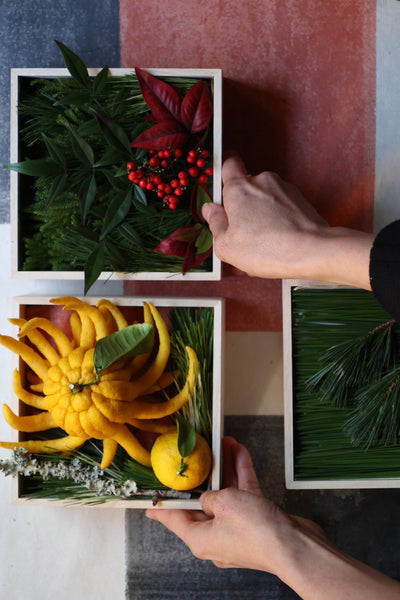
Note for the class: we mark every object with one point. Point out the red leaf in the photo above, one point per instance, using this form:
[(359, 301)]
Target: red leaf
[(197, 107), (192, 259), (176, 243), (163, 100), (167, 134)]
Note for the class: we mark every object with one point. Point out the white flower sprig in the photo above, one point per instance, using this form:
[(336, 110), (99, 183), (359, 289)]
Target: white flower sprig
[(90, 477)]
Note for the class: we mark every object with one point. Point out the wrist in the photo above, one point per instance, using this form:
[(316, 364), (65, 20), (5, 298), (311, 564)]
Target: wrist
[(314, 568), (338, 255)]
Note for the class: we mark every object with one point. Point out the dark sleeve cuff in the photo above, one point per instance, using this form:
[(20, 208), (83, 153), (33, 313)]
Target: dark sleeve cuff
[(384, 269)]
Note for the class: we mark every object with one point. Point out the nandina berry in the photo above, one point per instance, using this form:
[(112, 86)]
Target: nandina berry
[(174, 183), (178, 191), (182, 175), (149, 185), (173, 202), (142, 183), (178, 153), (167, 154), (154, 161), (131, 165), (156, 179), (192, 153), (164, 163), (139, 173), (161, 186), (160, 194), (168, 189), (203, 178), (193, 172), (209, 172), (132, 176), (204, 154), (200, 162)]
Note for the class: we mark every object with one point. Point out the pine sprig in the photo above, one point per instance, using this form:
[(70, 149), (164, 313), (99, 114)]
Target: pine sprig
[(355, 363), (194, 328)]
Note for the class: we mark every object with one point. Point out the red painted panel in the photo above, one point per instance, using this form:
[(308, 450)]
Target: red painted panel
[(299, 99)]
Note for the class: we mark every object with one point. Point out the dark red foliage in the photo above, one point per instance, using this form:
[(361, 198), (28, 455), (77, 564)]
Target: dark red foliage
[(175, 118)]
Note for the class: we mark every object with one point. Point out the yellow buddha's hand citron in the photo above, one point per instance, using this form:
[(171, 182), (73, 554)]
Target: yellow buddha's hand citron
[(166, 462), (86, 404)]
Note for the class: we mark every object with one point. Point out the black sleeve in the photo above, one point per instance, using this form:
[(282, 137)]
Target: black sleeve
[(384, 269)]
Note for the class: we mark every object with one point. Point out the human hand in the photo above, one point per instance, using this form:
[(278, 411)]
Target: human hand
[(238, 527), (267, 229)]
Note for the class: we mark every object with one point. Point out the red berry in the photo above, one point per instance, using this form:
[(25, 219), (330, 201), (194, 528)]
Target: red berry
[(154, 161), (178, 152), (167, 154), (204, 154), (131, 176), (182, 175), (193, 172), (174, 183), (131, 165), (156, 179), (168, 189), (164, 164), (172, 205), (203, 179), (139, 173), (149, 185), (142, 183), (160, 153), (200, 162), (161, 186), (192, 153), (209, 172), (160, 194), (178, 191)]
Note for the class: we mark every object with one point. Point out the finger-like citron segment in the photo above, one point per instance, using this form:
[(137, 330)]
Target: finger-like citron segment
[(62, 342), (29, 423)]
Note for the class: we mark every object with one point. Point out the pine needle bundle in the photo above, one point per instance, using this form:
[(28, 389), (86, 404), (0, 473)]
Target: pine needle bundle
[(346, 386)]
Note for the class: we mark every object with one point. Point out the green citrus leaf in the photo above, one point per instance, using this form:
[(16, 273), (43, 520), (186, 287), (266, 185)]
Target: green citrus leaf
[(130, 341), (186, 436), (204, 240), (202, 197), (74, 64)]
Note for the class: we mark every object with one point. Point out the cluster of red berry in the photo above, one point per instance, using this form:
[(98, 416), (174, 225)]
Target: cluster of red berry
[(159, 173)]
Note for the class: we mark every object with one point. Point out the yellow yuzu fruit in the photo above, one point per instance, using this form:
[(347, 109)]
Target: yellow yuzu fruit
[(166, 460)]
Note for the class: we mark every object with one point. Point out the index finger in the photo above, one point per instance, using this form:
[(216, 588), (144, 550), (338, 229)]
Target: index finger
[(233, 168)]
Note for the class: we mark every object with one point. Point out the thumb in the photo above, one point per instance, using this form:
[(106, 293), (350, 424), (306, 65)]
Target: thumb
[(246, 475), (216, 218)]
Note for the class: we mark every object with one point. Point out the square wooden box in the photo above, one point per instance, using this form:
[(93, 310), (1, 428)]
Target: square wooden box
[(23, 303), (290, 403), (19, 75)]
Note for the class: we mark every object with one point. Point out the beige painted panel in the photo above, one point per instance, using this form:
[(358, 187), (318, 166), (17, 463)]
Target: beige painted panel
[(253, 373)]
